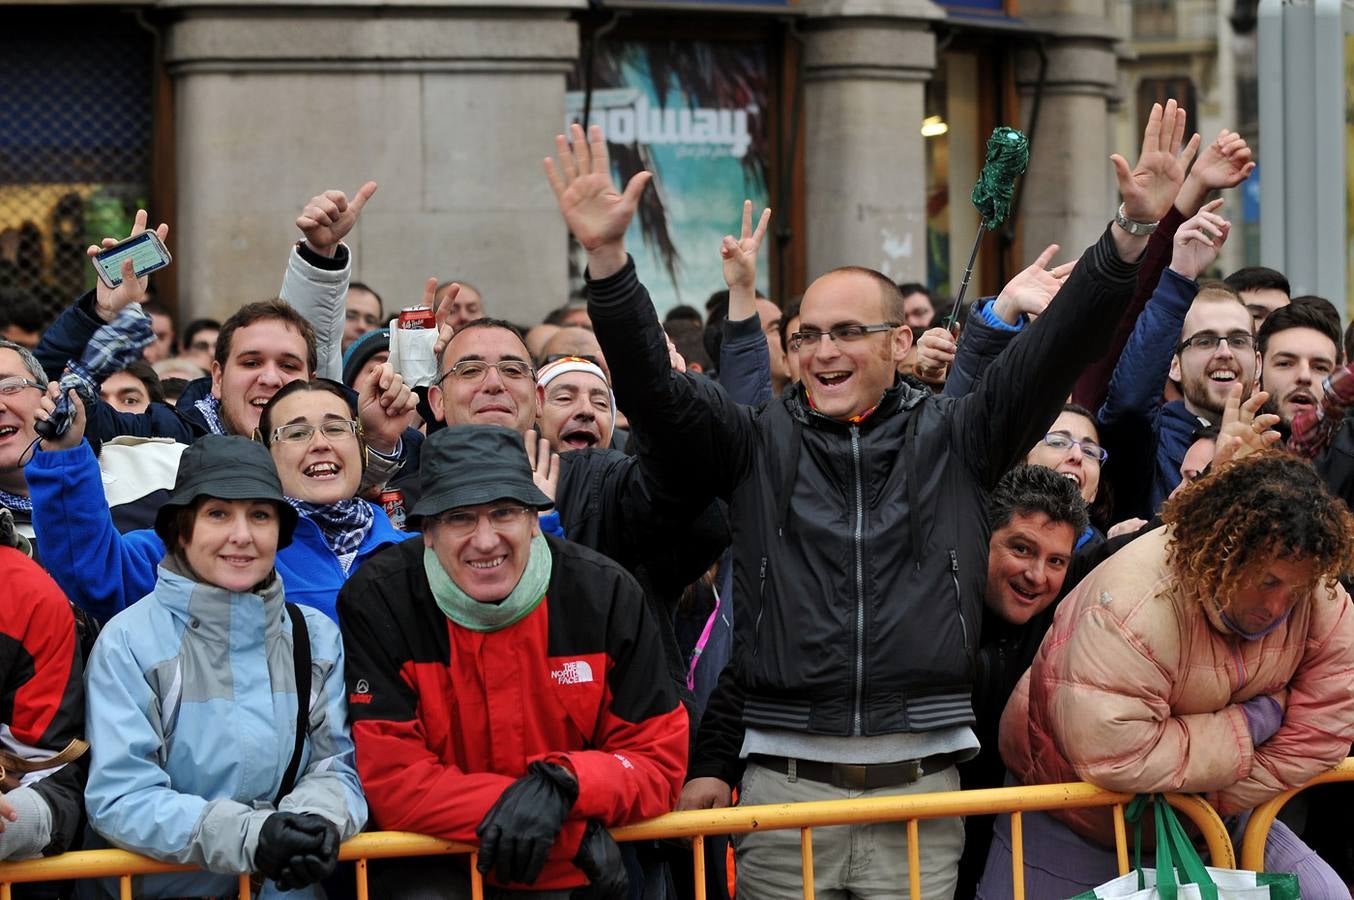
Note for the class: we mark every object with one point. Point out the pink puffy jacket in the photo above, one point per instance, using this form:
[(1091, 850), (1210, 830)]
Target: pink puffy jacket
[(1137, 689)]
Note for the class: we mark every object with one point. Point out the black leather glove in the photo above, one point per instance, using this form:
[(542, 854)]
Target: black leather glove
[(286, 835), (599, 856), (519, 830), (305, 869)]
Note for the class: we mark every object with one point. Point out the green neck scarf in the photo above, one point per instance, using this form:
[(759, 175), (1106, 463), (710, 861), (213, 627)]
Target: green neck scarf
[(470, 613)]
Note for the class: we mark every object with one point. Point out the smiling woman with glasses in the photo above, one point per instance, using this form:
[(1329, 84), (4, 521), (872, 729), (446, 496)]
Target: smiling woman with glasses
[(1072, 449), (311, 432)]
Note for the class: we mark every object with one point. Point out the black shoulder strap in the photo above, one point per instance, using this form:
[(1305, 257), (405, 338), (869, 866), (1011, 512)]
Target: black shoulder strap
[(300, 654)]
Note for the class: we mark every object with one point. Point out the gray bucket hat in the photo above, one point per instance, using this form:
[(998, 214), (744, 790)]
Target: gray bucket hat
[(467, 465), (227, 467)]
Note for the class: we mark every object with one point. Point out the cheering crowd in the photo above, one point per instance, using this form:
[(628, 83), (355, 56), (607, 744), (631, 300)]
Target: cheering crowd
[(273, 580)]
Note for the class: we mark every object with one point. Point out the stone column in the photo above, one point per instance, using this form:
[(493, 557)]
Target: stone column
[(866, 67), (448, 107), (1069, 192)]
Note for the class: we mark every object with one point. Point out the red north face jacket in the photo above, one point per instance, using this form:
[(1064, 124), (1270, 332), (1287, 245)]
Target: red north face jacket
[(445, 718)]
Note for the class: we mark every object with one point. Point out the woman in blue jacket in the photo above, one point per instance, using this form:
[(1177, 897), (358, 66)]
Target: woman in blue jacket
[(216, 711), (316, 444)]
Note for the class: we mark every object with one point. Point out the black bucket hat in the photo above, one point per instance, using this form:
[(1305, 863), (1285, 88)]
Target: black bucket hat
[(467, 465), (227, 467)]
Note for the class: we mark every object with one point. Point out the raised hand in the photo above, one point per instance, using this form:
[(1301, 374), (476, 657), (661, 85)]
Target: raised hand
[(1198, 241), (75, 432), (544, 462), (108, 302), (384, 407), (935, 351), (329, 216), (1150, 187), (440, 315), (740, 256), (1032, 288), (1222, 163), (1242, 432), (594, 210)]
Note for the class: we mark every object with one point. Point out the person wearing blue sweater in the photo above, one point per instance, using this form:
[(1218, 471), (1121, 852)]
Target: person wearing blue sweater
[(315, 441)]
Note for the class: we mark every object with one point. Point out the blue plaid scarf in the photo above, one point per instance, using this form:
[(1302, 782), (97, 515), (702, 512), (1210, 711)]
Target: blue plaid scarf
[(210, 408), (345, 525), (111, 347), (14, 501)]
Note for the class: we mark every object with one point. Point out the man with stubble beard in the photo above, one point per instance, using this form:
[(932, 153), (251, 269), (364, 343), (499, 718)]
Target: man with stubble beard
[(1299, 347), (1197, 335)]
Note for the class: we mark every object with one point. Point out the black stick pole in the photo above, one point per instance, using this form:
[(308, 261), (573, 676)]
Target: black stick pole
[(968, 275)]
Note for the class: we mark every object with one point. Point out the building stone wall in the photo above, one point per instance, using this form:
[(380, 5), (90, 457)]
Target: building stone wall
[(867, 64), (449, 109)]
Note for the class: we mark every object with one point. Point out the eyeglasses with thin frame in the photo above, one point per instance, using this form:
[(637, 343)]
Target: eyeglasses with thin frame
[(461, 522), (1207, 341), (1061, 440), (473, 371), (11, 386), (839, 334), (332, 429)]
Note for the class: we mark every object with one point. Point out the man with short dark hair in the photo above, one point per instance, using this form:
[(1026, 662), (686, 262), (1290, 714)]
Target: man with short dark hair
[(1262, 290), (919, 309), (1036, 516), (199, 342), (162, 326), (1299, 347), (362, 312), (22, 317)]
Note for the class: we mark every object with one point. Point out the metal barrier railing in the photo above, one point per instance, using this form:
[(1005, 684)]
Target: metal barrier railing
[(1263, 816), (695, 824)]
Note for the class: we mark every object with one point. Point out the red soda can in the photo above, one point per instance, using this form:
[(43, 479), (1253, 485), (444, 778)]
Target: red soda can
[(416, 317), (393, 503)]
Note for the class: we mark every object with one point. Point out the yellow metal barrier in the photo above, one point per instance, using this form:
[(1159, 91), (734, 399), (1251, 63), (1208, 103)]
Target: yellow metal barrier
[(1263, 816), (695, 824)]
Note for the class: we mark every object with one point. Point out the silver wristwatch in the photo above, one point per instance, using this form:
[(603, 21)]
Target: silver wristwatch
[(1133, 227)]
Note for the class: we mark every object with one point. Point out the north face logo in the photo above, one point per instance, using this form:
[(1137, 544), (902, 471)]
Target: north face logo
[(575, 671)]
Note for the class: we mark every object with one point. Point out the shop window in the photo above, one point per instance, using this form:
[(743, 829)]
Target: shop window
[(75, 150)]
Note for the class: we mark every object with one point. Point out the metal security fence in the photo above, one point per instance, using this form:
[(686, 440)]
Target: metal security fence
[(76, 89)]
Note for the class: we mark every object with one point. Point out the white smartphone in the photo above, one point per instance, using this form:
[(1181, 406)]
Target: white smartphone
[(146, 250)]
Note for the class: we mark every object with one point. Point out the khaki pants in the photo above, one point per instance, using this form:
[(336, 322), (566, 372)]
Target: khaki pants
[(849, 861)]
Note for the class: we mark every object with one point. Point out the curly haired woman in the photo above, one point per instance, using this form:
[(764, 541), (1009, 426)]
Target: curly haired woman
[(1214, 655)]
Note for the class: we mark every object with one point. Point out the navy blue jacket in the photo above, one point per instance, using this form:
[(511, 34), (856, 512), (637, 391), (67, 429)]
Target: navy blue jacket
[(1147, 440)]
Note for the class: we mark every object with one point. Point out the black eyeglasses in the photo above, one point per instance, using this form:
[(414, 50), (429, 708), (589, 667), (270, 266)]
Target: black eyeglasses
[(1207, 341), (838, 333)]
